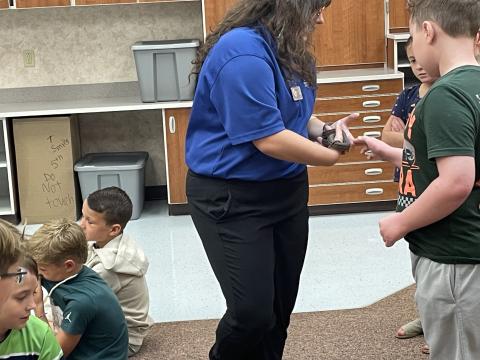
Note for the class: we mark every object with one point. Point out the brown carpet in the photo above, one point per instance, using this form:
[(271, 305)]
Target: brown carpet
[(366, 333)]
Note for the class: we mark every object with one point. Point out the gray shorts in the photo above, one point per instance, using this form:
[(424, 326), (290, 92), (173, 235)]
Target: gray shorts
[(448, 301)]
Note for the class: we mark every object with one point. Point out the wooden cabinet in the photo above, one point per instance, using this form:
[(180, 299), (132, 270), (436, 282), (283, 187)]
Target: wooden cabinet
[(175, 122), (353, 34), (215, 10), (7, 190), (100, 2), (354, 180), (41, 3), (398, 16)]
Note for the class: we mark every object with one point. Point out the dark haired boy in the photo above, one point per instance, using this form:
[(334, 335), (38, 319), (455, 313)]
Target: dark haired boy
[(117, 258)]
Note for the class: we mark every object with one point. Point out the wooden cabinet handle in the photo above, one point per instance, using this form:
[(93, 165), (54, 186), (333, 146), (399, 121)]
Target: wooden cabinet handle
[(371, 103), (374, 191), (371, 119), (375, 134), (171, 124), (373, 171), (370, 87)]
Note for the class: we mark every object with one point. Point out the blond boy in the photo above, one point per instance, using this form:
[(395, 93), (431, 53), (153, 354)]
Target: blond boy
[(91, 322)]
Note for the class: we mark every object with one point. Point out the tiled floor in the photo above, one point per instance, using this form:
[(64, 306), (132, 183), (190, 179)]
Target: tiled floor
[(347, 265)]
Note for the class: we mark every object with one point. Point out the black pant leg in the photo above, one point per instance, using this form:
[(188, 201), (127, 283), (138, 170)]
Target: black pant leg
[(251, 242)]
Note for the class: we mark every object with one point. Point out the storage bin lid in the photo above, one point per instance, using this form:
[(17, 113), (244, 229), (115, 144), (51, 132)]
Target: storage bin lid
[(112, 161), (165, 44)]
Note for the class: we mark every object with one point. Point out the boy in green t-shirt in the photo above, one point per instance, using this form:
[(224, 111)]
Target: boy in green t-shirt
[(21, 335), (439, 194), (90, 321)]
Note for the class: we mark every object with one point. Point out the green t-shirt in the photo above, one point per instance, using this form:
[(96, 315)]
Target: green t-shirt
[(446, 122), (34, 342), (89, 307)]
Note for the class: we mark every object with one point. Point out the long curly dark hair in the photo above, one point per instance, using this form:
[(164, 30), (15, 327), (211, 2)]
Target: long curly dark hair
[(291, 23)]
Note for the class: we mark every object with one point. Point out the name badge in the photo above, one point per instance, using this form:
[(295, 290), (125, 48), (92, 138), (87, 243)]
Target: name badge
[(296, 93)]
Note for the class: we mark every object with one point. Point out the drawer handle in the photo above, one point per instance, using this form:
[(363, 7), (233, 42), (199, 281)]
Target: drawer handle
[(371, 103), (374, 134), (372, 119), (374, 191), (374, 171), (370, 87), (171, 124)]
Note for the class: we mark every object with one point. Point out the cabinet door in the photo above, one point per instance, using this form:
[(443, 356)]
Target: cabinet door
[(215, 11), (41, 3), (175, 123), (3, 4), (353, 34), (398, 16)]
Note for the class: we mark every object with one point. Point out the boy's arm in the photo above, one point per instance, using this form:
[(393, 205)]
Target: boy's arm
[(67, 342), (392, 132), (442, 197), (379, 150)]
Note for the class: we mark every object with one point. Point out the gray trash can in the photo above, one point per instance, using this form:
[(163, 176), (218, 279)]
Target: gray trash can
[(125, 170), (163, 69)]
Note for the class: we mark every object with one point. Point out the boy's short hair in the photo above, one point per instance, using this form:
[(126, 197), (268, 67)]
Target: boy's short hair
[(10, 246), (113, 203), (57, 241), (455, 17)]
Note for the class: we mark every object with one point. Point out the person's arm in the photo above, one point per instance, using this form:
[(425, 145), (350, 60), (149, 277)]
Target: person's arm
[(442, 197), (67, 342), (377, 149), (392, 133), (289, 146)]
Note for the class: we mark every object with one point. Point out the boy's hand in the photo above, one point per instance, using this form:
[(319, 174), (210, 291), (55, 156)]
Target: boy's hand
[(372, 147), (392, 229)]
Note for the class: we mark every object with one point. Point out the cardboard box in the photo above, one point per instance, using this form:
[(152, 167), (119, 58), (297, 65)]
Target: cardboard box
[(46, 151)]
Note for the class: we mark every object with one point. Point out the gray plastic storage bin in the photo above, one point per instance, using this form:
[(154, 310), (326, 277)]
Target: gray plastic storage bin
[(125, 170), (163, 69)]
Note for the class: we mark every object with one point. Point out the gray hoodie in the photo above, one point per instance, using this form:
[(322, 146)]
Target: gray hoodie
[(122, 264)]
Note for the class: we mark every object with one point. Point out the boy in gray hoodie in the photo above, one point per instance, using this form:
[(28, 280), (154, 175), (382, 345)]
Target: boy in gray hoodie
[(117, 258)]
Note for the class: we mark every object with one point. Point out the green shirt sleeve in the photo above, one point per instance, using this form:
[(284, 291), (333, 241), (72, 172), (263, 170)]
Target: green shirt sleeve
[(449, 123), (51, 350)]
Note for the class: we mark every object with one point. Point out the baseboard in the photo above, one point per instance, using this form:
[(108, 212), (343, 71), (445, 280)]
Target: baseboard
[(158, 192)]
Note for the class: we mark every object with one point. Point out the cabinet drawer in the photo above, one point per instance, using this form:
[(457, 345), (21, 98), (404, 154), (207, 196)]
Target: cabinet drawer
[(352, 193), (352, 104), (370, 171), (393, 86), (365, 118)]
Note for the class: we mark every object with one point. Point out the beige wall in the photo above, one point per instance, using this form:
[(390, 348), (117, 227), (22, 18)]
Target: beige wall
[(86, 45)]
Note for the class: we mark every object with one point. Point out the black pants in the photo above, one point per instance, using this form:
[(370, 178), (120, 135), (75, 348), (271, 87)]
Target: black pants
[(255, 236)]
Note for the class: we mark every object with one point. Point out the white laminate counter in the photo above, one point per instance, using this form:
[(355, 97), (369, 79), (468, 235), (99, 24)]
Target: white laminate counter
[(349, 75), (94, 98), (77, 99)]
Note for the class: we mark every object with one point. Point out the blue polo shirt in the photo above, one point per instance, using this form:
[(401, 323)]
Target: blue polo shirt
[(242, 96)]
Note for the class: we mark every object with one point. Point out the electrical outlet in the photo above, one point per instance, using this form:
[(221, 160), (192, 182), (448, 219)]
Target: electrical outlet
[(28, 58)]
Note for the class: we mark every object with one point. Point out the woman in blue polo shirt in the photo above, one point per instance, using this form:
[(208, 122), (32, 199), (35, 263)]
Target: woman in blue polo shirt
[(246, 148)]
